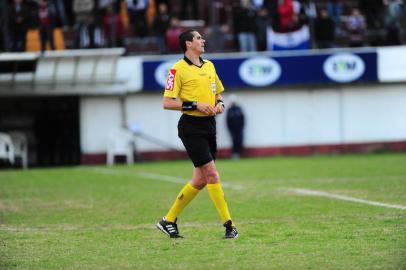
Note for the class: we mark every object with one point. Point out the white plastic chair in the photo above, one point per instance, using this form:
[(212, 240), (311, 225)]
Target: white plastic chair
[(120, 143), (20, 143), (6, 148)]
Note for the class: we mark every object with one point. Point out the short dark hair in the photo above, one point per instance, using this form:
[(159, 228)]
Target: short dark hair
[(186, 36)]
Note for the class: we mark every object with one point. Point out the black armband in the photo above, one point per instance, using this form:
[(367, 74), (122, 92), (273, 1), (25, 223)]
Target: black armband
[(189, 105), (221, 102)]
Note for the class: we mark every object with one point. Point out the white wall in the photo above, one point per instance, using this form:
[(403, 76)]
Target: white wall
[(98, 117), (391, 64), (374, 113), (285, 117), (146, 110)]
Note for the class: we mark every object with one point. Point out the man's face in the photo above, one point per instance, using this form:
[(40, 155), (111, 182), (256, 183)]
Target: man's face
[(197, 44)]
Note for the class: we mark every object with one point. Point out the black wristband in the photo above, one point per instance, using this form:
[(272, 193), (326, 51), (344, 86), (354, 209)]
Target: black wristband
[(189, 105), (221, 102)]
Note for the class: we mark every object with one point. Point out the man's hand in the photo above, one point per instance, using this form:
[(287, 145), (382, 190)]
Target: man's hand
[(219, 108), (206, 109)]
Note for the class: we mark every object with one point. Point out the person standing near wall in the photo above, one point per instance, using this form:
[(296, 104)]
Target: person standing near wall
[(235, 124), (194, 88)]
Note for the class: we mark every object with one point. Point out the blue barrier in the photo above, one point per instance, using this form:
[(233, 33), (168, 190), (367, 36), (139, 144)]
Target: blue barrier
[(261, 71)]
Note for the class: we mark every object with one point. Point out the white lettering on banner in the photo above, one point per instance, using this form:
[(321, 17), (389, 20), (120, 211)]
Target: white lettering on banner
[(161, 72), (259, 71), (344, 67)]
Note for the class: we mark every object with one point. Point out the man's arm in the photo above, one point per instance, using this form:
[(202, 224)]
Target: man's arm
[(219, 104), (172, 104), (178, 105)]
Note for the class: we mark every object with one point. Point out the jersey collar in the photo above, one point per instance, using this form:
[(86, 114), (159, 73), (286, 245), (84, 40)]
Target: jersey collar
[(190, 62)]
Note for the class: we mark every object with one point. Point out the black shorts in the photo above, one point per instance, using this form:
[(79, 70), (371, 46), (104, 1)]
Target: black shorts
[(198, 135)]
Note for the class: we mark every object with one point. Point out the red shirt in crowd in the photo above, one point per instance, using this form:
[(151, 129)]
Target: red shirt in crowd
[(286, 12), (44, 16)]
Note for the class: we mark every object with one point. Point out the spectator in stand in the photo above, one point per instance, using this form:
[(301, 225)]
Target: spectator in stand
[(262, 28), (217, 33), (356, 27), (286, 15), (137, 10), (300, 17), (296, 7), (3, 26), (172, 36), (245, 26), (166, 2), (324, 30), (373, 10), (189, 10), (161, 25), (309, 9), (393, 15), (258, 4), (404, 8), (84, 23), (46, 21), (335, 10), (68, 9), (272, 7), (60, 10), (17, 25), (113, 28)]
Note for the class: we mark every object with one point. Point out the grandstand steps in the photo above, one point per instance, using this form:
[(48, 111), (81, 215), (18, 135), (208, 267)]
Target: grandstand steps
[(33, 43)]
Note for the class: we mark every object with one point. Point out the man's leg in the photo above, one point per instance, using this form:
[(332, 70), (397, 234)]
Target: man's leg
[(168, 223), (215, 190), (186, 195), (217, 196)]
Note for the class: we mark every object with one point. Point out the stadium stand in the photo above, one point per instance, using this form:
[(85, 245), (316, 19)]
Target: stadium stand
[(215, 19)]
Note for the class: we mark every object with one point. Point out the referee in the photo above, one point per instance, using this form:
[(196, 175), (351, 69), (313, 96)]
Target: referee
[(194, 88)]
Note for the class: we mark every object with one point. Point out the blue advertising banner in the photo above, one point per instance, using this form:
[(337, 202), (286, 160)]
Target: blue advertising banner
[(266, 71)]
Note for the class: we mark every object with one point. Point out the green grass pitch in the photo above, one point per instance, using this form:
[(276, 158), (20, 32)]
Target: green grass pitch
[(98, 217)]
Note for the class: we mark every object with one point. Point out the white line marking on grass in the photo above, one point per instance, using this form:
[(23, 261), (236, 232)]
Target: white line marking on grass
[(121, 227), (160, 177), (343, 198), (152, 176)]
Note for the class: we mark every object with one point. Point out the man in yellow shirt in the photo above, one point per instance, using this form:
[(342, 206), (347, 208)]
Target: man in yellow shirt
[(194, 88)]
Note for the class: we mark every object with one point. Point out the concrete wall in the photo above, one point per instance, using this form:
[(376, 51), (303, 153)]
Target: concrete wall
[(275, 117)]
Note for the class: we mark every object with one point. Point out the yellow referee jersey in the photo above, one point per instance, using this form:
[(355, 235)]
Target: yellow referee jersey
[(189, 82)]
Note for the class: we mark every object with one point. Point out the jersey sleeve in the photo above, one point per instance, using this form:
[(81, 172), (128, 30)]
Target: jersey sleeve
[(173, 83), (219, 85)]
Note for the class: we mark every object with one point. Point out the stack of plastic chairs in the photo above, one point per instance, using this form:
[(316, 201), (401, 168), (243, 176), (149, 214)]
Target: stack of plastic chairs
[(20, 144), (120, 143), (6, 148)]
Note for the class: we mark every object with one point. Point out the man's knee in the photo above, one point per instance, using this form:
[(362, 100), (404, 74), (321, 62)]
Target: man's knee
[(198, 183), (210, 173)]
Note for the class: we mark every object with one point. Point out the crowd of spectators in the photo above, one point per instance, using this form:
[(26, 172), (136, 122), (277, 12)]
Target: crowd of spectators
[(228, 25)]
